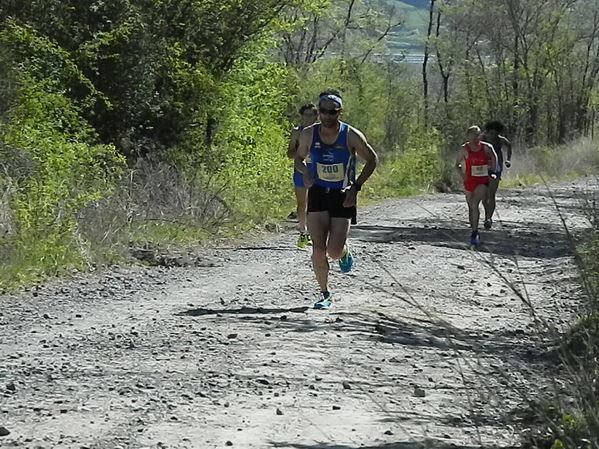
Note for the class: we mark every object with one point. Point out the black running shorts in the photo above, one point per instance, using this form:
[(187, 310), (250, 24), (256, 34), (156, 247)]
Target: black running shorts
[(323, 199)]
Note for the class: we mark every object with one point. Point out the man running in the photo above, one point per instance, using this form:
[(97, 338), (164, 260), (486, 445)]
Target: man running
[(309, 115), (492, 135), (332, 186), (476, 163)]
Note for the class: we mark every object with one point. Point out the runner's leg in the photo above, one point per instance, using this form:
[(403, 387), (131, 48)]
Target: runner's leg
[(489, 201), (479, 194), (301, 196), (470, 208), (318, 225), (338, 237)]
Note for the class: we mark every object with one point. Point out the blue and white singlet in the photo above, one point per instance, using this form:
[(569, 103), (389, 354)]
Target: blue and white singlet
[(333, 166)]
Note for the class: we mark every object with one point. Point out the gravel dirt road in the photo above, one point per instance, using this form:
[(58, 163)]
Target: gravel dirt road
[(427, 346)]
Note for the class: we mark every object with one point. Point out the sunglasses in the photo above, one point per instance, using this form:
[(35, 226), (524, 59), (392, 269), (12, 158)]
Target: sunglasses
[(328, 111)]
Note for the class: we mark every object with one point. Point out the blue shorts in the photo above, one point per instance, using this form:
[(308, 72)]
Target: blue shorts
[(298, 179), (498, 173)]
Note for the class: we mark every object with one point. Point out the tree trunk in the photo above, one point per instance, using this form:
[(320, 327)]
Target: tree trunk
[(443, 70), (425, 61), (348, 18)]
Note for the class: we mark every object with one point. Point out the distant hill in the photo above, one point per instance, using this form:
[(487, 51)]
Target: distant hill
[(409, 38), (420, 4)]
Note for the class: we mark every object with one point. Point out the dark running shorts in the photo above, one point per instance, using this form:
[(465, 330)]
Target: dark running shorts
[(323, 199)]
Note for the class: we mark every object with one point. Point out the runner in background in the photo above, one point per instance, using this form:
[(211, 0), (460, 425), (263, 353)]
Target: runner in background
[(309, 115), (476, 163), (492, 135)]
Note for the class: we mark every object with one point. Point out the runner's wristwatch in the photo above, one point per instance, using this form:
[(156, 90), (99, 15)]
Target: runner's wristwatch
[(357, 186)]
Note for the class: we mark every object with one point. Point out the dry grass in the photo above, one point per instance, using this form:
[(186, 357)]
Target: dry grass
[(566, 413), (537, 164), (155, 203)]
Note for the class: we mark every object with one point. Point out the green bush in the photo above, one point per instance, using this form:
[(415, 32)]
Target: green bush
[(572, 432), (58, 172), (418, 168), (252, 141)]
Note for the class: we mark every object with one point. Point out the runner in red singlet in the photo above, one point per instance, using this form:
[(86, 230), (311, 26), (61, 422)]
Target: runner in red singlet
[(476, 163)]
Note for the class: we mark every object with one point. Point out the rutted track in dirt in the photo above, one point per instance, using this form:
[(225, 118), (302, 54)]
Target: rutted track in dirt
[(418, 352)]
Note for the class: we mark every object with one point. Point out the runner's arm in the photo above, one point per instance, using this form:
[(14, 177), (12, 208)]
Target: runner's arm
[(508, 145), (460, 162), (491, 158), (358, 143), (303, 149), (293, 143)]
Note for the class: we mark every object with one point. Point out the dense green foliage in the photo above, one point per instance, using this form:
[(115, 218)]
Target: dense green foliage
[(178, 90)]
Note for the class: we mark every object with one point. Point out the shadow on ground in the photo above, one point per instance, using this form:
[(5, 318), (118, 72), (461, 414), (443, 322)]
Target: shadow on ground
[(561, 199), (427, 444), (241, 311), (510, 345), (528, 240)]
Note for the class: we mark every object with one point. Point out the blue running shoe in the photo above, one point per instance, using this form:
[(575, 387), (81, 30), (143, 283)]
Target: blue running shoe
[(475, 238), (488, 223), (346, 261), (326, 302)]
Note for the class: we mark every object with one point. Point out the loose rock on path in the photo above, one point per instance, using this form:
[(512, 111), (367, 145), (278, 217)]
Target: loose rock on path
[(426, 347)]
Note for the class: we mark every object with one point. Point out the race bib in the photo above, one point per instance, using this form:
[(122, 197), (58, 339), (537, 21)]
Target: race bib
[(480, 170), (330, 172)]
